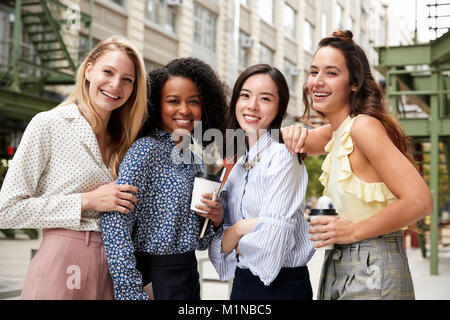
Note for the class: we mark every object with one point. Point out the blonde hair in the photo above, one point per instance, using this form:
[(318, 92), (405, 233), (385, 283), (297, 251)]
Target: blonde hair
[(126, 121)]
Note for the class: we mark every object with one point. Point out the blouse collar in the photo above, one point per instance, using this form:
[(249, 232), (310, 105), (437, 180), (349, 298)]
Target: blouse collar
[(261, 143)]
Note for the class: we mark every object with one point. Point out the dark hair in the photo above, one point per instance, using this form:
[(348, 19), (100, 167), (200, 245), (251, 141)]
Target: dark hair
[(282, 90), (368, 97), (213, 93)]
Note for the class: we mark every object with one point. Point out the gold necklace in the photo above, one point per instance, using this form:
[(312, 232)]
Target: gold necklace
[(247, 165)]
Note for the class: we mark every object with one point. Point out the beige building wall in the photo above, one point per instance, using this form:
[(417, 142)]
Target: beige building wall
[(159, 46)]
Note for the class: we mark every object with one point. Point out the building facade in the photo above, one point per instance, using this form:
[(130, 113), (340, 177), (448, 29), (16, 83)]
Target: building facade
[(233, 34), (228, 34)]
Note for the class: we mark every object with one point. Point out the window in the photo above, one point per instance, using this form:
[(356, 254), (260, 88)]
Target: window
[(289, 22), (382, 35), (324, 32), (150, 66), (266, 55), (6, 27), (157, 11), (291, 73), (244, 48), (351, 23), (362, 39), (119, 2), (266, 11), (83, 47), (339, 16), (309, 37), (205, 23)]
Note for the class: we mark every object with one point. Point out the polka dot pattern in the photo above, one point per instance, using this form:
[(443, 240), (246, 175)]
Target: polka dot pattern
[(58, 159)]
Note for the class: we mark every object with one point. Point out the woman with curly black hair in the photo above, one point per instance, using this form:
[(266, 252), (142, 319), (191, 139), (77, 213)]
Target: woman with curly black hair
[(156, 242), (213, 93)]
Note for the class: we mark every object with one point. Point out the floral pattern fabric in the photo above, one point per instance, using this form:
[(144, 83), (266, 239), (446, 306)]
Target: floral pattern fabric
[(162, 222)]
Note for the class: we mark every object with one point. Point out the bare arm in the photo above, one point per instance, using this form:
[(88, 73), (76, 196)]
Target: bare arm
[(414, 198), (298, 139), (233, 234)]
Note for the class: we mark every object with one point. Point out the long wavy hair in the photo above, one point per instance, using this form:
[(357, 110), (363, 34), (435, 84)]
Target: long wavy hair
[(126, 121), (368, 97)]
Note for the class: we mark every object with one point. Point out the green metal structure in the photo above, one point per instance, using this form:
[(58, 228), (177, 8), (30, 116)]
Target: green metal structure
[(421, 73), (38, 56)]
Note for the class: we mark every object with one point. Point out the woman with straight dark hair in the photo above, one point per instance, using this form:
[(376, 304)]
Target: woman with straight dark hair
[(368, 173), (265, 241)]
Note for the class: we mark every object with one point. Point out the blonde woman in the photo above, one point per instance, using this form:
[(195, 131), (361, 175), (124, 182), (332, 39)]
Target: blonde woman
[(62, 176)]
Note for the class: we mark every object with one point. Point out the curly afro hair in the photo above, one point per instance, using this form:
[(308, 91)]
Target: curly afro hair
[(213, 93)]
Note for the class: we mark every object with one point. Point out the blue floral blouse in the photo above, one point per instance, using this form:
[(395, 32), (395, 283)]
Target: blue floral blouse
[(162, 222)]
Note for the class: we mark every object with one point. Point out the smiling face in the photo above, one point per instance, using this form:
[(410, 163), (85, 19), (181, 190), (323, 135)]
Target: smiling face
[(328, 81), (180, 104), (257, 105), (111, 80)]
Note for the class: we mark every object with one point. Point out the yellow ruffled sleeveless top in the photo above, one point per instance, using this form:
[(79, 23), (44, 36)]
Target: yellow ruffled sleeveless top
[(353, 199)]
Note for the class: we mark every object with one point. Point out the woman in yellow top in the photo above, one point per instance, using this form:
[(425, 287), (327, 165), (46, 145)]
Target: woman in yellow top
[(368, 174)]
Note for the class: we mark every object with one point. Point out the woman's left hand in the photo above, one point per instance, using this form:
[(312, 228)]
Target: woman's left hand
[(330, 230), (214, 209)]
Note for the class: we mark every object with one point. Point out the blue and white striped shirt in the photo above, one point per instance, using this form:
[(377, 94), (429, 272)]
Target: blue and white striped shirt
[(274, 191)]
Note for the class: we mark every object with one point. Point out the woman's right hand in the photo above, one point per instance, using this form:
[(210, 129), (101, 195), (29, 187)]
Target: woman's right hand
[(294, 138), (110, 197), (233, 234)]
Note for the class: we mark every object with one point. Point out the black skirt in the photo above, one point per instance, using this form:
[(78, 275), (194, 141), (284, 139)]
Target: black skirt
[(290, 284), (173, 277)]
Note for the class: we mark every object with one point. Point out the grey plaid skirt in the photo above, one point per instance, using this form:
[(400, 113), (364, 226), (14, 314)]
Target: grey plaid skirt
[(372, 269)]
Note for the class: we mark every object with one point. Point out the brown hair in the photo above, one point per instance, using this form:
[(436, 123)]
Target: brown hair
[(367, 98)]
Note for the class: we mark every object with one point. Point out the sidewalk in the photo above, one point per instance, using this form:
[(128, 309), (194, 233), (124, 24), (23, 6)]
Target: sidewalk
[(15, 257)]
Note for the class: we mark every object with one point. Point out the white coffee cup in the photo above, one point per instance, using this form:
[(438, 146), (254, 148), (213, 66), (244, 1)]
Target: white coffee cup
[(315, 213), (203, 183)]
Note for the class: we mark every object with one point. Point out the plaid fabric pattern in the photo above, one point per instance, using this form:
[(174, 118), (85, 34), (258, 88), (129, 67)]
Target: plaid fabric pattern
[(372, 269)]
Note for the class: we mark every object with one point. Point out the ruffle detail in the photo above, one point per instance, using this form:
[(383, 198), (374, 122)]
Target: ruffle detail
[(367, 192), (347, 181), (326, 165)]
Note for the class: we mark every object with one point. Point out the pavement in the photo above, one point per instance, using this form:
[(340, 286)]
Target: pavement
[(15, 256)]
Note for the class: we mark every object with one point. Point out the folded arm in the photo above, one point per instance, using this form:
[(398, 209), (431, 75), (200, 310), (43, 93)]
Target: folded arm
[(233, 234)]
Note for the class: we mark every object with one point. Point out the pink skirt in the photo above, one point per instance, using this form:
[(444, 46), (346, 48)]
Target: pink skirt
[(69, 265)]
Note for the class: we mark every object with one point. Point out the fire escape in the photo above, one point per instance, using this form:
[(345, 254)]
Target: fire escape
[(43, 52), (420, 75)]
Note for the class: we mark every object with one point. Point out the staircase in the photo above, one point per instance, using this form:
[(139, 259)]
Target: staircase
[(420, 74), (43, 51), (48, 24)]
